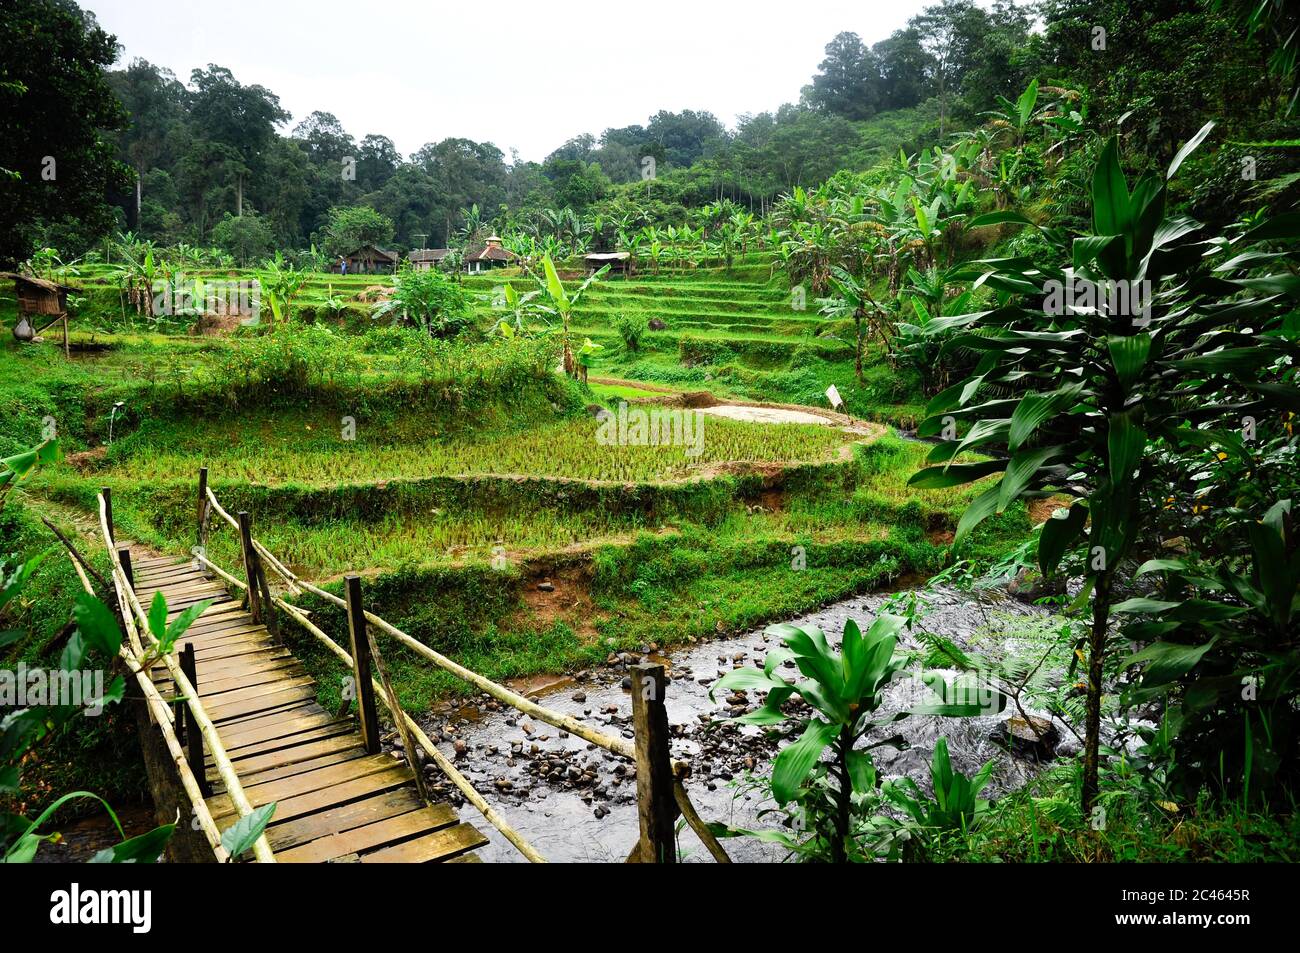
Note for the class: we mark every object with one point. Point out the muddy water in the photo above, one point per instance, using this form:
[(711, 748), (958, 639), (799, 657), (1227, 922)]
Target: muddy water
[(577, 803)]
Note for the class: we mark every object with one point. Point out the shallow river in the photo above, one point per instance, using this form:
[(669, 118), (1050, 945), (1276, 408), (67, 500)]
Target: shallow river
[(577, 803)]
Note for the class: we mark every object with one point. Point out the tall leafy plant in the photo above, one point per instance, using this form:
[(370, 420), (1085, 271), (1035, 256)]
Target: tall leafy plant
[(1146, 335), (831, 797)]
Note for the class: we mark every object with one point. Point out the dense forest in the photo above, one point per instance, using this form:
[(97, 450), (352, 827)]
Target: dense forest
[(209, 160)]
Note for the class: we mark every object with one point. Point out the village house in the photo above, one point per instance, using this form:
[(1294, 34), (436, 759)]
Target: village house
[(490, 254), (371, 260)]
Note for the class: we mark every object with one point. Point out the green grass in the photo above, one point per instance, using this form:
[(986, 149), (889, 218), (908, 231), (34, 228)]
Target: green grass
[(310, 450)]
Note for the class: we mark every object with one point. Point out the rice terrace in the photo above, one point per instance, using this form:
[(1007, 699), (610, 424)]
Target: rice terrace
[(902, 475)]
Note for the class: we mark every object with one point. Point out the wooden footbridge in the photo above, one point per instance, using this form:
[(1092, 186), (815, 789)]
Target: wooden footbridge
[(239, 718)]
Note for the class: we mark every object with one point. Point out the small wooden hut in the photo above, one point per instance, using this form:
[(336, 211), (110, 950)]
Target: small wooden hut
[(41, 304), (372, 260), (620, 262)]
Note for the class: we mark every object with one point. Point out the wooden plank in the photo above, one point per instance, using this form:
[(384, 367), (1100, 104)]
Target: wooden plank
[(304, 804), (296, 711), (440, 845), (321, 778), (294, 768), (379, 834), (236, 737), (253, 763), (215, 701), (267, 702), (368, 810), (303, 736), (219, 686)]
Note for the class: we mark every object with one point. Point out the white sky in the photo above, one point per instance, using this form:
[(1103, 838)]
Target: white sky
[(517, 73)]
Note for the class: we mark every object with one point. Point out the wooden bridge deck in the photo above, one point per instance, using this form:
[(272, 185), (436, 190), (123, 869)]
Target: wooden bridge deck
[(334, 801)]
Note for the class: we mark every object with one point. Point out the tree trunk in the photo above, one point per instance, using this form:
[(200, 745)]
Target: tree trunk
[(857, 321), (1092, 719), (139, 194), (239, 196), (844, 799)]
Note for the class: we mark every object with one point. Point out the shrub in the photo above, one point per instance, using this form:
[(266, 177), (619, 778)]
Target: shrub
[(632, 327)]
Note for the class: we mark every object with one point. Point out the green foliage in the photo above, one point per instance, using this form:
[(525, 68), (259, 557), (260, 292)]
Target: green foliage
[(843, 691), (54, 61), (428, 300), (352, 227), (1108, 381)]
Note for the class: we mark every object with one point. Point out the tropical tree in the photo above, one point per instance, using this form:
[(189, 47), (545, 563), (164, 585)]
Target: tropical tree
[(563, 303), (1145, 337)]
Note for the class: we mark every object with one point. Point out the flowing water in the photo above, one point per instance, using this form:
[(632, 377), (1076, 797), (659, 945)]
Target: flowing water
[(574, 802)]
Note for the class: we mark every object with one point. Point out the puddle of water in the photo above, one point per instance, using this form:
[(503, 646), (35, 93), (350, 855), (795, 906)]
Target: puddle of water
[(83, 838), (576, 803)]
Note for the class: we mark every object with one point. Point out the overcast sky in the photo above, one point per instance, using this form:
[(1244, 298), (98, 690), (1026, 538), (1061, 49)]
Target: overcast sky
[(517, 73)]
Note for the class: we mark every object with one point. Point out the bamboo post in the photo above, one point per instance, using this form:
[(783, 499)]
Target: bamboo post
[(361, 667), (269, 618), (193, 738), (250, 565), (108, 513), (124, 557), (201, 535), (656, 801), (408, 740)]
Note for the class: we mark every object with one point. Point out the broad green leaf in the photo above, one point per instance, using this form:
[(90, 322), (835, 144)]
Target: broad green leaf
[(1139, 604), (1166, 661), (1111, 214), (158, 616), (980, 508), (998, 218), (956, 474), (554, 286), (1129, 355), (144, 849), (1020, 471), (1188, 148), (243, 834), (1058, 534), (96, 624), (183, 621), (1125, 443), (1033, 409), (792, 765)]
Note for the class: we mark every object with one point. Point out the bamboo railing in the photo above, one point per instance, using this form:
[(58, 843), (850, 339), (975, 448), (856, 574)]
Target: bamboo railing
[(182, 684), (661, 793), (162, 714)]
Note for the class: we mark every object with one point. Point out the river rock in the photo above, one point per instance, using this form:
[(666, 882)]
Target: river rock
[(1035, 738)]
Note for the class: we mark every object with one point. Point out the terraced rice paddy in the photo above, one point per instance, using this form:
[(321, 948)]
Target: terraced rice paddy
[(567, 449)]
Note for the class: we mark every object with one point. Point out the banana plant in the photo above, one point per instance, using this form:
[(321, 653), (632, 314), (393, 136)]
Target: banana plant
[(280, 283), (1017, 116), (844, 691), (564, 303), (15, 468)]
